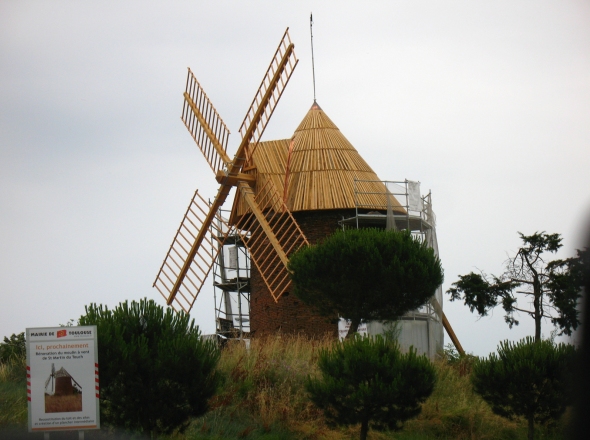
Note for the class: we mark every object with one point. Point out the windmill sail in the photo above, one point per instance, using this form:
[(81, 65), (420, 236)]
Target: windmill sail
[(179, 253), (52, 379), (172, 278), (267, 97), (204, 124), (272, 234)]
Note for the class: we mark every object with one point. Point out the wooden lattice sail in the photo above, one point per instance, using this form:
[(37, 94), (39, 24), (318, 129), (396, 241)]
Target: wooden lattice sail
[(204, 124), (272, 234), (178, 255), (192, 254)]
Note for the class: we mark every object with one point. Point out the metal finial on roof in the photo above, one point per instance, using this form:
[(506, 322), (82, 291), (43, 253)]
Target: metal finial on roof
[(312, 60)]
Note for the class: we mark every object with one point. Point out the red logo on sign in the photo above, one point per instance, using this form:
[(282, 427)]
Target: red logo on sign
[(62, 333)]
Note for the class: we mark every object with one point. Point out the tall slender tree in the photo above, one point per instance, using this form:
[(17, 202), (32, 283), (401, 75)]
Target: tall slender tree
[(553, 287)]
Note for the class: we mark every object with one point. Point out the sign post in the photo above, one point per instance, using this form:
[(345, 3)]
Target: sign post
[(62, 379)]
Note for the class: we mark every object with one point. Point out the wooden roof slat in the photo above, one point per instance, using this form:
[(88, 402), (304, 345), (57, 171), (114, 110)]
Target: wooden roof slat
[(322, 169)]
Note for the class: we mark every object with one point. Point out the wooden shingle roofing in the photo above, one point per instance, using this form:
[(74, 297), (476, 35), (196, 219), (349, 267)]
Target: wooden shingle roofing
[(321, 166)]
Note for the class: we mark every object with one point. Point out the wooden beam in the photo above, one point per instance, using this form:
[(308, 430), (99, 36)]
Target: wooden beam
[(447, 326), (225, 179), (249, 198), (451, 333), (224, 157)]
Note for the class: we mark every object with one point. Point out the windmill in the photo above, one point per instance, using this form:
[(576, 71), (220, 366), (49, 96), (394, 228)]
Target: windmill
[(267, 227), (62, 383), (290, 192)]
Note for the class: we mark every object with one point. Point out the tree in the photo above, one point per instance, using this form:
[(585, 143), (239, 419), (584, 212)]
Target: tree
[(13, 348), (369, 381), (366, 274), (554, 287), (13, 354), (527, 379), (155, 369)]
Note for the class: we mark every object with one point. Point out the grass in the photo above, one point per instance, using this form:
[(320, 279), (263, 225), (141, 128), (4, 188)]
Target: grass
[(13, 393), (262, 396)]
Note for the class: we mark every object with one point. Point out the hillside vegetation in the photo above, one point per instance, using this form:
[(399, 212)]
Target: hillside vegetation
[(262, 396)]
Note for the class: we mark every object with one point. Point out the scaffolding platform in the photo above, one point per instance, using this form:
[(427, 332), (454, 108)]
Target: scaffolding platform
[(231, 286), (241, 284)]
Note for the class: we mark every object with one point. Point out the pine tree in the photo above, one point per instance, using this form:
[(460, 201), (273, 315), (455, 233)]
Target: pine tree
[(371, 382), (156, 372), (366, 274), (529, 379)]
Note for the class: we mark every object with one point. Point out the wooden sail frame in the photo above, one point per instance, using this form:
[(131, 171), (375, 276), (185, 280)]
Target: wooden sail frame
[(206, 127), (178, 254), (267, 97), (270, 233), (204, 124)]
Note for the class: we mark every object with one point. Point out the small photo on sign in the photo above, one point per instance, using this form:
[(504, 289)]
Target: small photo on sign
[(62, 392)]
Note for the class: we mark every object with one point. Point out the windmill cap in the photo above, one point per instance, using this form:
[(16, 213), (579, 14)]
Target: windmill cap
[(315, 105)]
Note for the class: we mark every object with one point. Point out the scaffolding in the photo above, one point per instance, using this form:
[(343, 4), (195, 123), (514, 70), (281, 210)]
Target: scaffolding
[(231, 285), (422, 328)]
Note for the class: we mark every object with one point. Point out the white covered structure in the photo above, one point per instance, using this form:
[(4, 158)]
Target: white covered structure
[(422, 328)]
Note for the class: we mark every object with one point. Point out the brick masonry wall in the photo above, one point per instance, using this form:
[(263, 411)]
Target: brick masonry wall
[(290, 315)]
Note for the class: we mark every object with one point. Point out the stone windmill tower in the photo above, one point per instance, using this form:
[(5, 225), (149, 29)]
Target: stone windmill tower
[(290, 193)]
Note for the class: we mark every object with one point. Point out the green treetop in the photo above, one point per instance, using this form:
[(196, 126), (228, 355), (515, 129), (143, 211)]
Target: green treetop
[(366, 274)]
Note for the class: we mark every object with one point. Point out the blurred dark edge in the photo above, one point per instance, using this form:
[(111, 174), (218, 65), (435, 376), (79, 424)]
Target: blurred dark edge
[(19, 433), (580, 428)]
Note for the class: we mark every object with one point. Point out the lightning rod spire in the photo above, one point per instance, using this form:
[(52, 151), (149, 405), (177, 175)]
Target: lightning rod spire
[(312, 60)]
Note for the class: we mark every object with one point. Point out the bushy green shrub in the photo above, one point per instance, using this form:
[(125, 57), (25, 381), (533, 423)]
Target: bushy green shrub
[(526, 378), (371, 382), (155, 370), (333, 276), (13, 362), (13, 348)]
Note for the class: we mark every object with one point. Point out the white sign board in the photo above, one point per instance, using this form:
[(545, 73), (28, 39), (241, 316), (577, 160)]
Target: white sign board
[(344, 325), (62, 378)]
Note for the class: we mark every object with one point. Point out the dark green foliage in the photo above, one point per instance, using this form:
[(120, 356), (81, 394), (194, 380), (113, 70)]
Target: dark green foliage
[(553, 287), (564, 284), (527, 379), (366, 274), (366, 380), (155, 370), (479, 293), (15, 347)]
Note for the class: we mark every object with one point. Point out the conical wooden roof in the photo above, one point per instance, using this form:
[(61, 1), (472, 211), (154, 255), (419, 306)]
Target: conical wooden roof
[(322, 167), (319, 166)]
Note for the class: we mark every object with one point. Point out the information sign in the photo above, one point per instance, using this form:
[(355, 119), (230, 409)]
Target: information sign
[(62, 378), (344, 325)]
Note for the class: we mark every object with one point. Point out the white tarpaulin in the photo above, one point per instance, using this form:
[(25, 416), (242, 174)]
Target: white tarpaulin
[(414, 198), (233, 258)]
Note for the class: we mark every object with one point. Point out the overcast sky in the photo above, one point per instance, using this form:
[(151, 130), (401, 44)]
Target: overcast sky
[(487, 105)]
